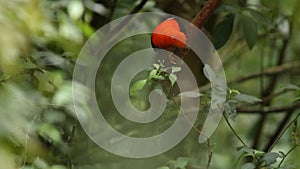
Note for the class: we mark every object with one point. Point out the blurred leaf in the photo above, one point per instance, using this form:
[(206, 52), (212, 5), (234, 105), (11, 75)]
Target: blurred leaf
[(291, 87), (287, 166), (223, 31), (75, 9), (246, 149), (246, 98), (270, 158), (87, 29), (180, 163), (96, 7), (29, 65), (153, 75), (260, 17), (230, 109), (191, 94), (249, 30), (156, 66), (44, 82), (163, 167), (40, 163), (172, 78), (137, 87), (4, 77), (49, 133), (248, 166), (57, 167), (175, 69), (209, 73)]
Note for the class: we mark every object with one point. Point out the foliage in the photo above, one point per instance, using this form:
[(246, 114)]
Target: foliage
[(257, 40)]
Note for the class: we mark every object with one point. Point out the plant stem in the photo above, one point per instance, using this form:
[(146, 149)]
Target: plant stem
[(235, 133)]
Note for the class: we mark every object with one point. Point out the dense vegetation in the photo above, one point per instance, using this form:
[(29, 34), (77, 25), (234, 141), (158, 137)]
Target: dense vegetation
[(257, 40)]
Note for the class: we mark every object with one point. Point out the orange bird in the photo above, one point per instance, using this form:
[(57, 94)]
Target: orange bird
[(168, 35)]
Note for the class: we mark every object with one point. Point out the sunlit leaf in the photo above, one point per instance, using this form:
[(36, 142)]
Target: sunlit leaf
[(75, 9), (172, 78), (175, 69), (49, 133), (137, 87)]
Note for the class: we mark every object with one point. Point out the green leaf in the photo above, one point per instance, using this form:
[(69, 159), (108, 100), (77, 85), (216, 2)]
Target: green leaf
[(246, 98), (209, 73), (180, 163), (44, 82), (49, 133), (156, 66), (40, 163), (172, 78), (175, 69), (260, 17), (270, 158), (29, 65), (246, 150), (223, 30), (137, 87), (249, 30), (4, 77), (230, 109), (191, 94), (248, 166), (163, 167), (291, 87), (57, 167), (153, 75)]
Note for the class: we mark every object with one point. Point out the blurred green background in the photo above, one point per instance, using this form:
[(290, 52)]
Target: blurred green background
[(258, 42)]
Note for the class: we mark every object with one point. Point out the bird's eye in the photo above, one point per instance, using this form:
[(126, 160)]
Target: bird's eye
[(172, 37)]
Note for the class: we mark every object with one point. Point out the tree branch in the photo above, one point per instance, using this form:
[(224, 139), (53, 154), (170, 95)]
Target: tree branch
[(269, 72), (138, 7), (199, 20), (206, 12), (277, 133), (267, 110)]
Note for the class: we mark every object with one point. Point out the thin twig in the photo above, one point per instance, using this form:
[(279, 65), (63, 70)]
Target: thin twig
[(265, 110), (278, 130), (235, 133), (284, 157), (137, 8), (210, 153), (283, 131)]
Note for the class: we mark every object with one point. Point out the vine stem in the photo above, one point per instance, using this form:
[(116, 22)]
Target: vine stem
[(283, 131), (233, 130), (284, 157), (210, 153)]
